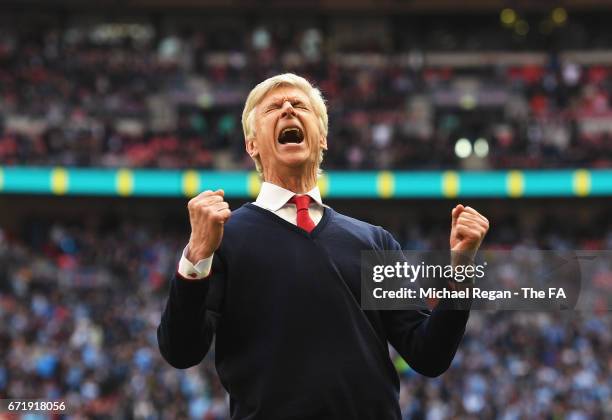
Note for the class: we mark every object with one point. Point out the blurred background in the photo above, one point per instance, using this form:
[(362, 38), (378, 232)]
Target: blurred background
[(113, 114)]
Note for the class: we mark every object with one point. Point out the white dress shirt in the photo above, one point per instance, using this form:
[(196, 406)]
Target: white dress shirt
[(272, 198)]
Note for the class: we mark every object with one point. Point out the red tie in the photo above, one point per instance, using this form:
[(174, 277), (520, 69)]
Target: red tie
[(303, 218)]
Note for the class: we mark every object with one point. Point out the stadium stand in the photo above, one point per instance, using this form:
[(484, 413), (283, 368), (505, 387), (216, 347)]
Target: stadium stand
[(130, 93), (80, 302), (83, 280)]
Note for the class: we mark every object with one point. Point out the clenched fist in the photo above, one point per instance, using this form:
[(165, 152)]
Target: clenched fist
[(468, 229), (207, 215)]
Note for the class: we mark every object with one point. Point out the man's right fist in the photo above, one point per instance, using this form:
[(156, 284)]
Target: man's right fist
[(207, 215)]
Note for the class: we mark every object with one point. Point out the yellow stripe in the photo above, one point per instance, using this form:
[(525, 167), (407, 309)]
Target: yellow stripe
[(59, 181), (385, 184), (191, 183), (254, 183), (582, 182), (125, 182), (1, 179), (323, 183), (450, 184), (515, 183)]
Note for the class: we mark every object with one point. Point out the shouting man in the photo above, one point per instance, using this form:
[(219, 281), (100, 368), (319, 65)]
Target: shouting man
[(278, 283)]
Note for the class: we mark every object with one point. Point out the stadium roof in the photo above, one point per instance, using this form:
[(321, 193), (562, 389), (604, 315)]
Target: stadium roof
[(314, 5)]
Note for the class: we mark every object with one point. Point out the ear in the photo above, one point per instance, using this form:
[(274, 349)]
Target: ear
[(251, 147), (323, 143)]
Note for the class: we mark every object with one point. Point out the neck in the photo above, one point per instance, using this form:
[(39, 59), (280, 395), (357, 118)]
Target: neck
[(296, 181)]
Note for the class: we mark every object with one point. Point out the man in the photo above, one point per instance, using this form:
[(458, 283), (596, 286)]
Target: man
[(278, 283)]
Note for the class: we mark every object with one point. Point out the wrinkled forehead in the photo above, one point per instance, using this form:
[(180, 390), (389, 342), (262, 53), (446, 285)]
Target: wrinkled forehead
[(284, 93)]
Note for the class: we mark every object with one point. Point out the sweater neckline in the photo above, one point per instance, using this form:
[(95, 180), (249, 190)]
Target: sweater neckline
[(319, 227)]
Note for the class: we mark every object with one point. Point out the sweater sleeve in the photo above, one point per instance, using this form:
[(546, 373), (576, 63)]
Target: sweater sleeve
[(427, 340), (190, 318)]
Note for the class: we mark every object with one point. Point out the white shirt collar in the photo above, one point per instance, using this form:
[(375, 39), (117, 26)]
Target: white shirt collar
[(273, 197)]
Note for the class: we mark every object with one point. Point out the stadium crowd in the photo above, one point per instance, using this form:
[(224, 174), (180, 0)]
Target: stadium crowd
[(134, 95), (79, 306)]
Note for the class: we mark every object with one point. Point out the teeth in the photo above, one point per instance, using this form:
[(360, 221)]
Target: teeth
[(291, 135)]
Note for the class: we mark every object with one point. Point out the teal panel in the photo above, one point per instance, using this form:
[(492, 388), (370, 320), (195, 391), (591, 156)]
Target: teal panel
[(548, 183), (418, 184), (26, 180), (483, 184), (233, 183), (352, 184), (601, 182), (92, 181), (158, 183)]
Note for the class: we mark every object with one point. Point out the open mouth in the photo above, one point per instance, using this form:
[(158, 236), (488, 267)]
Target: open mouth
[(291, 135)]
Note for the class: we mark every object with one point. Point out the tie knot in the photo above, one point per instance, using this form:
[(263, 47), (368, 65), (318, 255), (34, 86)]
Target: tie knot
[(301, 201)]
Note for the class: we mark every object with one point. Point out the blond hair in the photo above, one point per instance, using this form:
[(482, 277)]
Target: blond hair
[(262, 89)]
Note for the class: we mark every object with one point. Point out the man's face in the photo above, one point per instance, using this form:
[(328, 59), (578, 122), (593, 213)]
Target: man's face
[(287, 133)]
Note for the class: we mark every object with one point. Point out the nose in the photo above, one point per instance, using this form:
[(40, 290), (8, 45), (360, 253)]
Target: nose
[(288, 109)]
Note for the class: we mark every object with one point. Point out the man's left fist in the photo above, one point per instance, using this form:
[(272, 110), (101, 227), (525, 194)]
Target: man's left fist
[(468, 229)]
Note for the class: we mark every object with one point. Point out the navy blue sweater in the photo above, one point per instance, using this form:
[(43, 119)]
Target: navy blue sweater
[(292, 341)]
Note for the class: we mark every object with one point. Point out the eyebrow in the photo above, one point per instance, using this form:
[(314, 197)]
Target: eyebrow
[(276, 100)]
